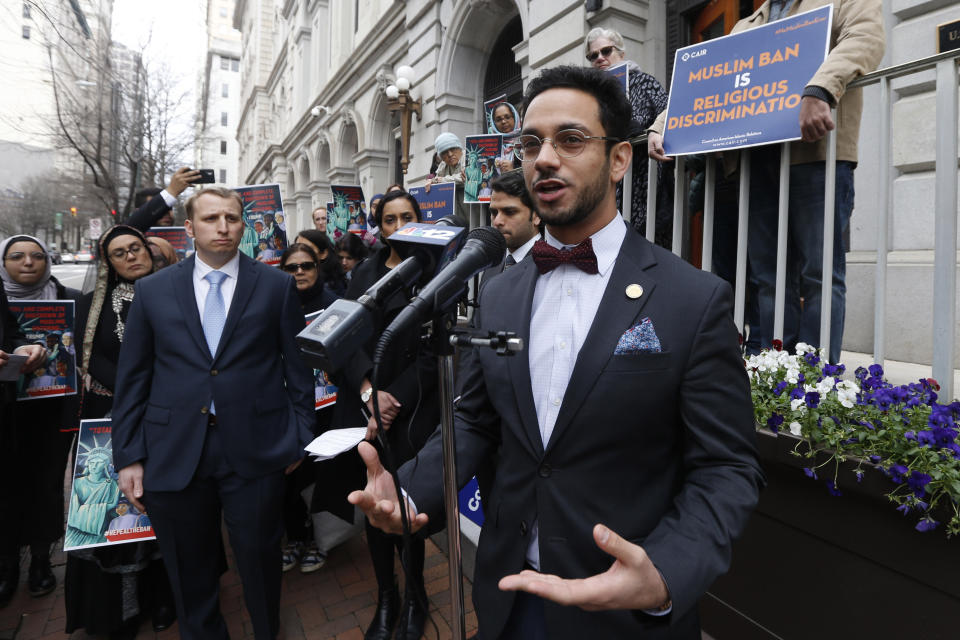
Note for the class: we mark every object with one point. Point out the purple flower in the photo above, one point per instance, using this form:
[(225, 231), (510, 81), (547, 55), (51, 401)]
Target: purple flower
[(832, 488), (774, 421), (777, 390), (833, 369), (897, 472), (876, 370), (796, 393), (812, 359), (859, 475), (810, 473), (927, 524), (904, 508), (918, 482), (812, 399)]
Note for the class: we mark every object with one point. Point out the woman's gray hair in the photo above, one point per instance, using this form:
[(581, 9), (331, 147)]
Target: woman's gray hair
[(600, 32)]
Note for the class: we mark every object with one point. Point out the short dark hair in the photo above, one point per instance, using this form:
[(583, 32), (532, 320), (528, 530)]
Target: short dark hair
[(144, 195), (353, 245), (513, 184), (615, 110), (390, 197), (298, 247)]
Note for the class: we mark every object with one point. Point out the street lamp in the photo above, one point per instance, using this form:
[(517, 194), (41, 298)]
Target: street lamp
[(399, 99)]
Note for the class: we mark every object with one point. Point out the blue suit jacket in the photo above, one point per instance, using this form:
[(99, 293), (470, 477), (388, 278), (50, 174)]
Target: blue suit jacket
[(660, 447), (166, 378)]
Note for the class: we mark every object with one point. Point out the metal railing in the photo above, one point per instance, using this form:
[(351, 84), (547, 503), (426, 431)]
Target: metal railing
[(945, 223)]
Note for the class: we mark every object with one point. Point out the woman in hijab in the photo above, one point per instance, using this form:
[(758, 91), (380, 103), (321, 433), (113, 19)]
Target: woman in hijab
[(35, 444), (108, 589)]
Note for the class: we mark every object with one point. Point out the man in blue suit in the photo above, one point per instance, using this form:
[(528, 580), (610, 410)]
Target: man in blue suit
[(630, 407), (212, 406)]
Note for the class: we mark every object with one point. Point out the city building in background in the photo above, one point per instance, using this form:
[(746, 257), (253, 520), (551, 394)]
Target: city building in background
[(218, 103)]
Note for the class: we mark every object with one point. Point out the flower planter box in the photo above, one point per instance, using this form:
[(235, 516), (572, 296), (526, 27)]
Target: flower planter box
[(812, 565)]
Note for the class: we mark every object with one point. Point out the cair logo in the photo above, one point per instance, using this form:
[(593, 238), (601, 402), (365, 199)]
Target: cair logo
[(693, 54)]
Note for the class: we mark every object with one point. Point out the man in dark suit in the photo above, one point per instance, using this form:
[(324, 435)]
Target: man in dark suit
[(212, 406), (629, 408), (512, 214)]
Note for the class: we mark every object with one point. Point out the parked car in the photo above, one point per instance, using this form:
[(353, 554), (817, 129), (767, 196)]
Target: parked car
[(55, 257), (83, 256), (67, 258)]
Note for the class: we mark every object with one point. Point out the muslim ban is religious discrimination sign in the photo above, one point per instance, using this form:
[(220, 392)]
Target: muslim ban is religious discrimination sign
[(745, 89), (436, 203)]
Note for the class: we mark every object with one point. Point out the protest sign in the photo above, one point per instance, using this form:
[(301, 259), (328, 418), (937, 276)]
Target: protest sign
[(331, 230), (469, 500), (622, 74), (265, 228), (177, 237), (482, 153), (745, 89), (349, 213), (439, 202), (98, 513), (50, 323), (490, 109), (325, 392)]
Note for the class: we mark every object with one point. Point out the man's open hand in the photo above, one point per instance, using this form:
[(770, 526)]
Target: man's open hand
[(378, 500)]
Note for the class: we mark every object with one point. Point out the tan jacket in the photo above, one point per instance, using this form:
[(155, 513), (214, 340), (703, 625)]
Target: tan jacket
[(856, 47)]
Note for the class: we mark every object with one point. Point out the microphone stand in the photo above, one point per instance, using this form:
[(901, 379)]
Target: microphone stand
[(443, 342)]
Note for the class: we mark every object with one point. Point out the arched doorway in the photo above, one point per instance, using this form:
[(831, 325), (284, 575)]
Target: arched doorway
[(504, 76)]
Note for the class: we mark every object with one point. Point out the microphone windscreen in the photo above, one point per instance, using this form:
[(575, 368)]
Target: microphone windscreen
[(492, 242)]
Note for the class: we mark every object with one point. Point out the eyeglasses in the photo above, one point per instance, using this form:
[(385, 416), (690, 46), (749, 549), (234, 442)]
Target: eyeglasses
[(293, 267), (18, 256), (120, 254), (602, 51), (568, 143), (506, 118)]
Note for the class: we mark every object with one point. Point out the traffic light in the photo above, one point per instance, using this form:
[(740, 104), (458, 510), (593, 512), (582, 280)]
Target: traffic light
[(73, 211), (113, 212)]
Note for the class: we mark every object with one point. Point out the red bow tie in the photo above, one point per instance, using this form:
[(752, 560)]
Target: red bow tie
[(580, 256)]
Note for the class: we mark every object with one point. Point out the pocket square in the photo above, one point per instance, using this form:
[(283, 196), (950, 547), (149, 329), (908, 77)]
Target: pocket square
[(640, 338)]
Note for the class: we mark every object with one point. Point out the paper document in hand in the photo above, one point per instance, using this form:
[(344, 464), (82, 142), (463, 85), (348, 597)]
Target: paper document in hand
[(332, 443), (11, 369)]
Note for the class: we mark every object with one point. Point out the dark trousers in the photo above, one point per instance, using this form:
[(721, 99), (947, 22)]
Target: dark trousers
[(187, 524)]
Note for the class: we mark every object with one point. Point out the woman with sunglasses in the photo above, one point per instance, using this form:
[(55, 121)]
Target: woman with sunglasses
[(33, 440), (300, 261), (408, 399), (328, 262), (109, 590), (604, 49)]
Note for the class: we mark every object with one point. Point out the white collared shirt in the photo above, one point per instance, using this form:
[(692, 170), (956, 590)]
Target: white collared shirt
[(521, 252), (229, 284), (565, 302)]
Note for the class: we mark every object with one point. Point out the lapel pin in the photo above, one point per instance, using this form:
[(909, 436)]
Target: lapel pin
[(634, 291)]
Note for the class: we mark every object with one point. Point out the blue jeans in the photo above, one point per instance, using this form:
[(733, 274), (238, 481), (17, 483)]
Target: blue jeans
[(804, 250)]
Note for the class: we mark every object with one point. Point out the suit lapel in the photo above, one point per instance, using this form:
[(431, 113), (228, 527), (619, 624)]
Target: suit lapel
[(517, 318), (617, 313), (187, 299), (246, 281)]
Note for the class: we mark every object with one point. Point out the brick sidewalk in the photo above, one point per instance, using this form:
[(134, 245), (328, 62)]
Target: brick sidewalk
[(335, 602)]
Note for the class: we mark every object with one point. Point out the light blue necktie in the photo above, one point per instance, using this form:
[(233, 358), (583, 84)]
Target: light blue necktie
[(214, 315)]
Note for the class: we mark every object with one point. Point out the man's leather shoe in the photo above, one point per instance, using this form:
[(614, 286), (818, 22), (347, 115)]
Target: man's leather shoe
[(163, 617), (9, 577), (385, 617), (40, 579), (412, 619)]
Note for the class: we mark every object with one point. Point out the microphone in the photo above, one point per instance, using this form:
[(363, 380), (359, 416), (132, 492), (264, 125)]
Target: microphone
[(484, 248), (434, 246)]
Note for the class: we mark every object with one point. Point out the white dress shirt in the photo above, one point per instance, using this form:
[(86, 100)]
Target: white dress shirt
[(521, 252), (565, 302), (227, 286)]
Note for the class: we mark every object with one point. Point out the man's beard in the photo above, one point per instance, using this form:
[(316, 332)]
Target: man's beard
[(587, 200)]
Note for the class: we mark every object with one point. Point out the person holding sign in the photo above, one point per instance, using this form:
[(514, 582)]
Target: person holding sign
[(604, 49), (32, 503), (856, 48)]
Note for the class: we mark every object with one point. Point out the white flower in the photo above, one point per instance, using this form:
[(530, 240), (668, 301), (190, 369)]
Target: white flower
[(824, 387), (803, 347), (795, 428), (792, 375), (798, 404)]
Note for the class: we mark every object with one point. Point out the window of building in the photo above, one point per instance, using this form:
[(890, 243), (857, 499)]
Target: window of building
[(225, 90), (26, 9), (223, 119), (223, 147), (235, 64), (223, 176), (224, 63), (26, 32)]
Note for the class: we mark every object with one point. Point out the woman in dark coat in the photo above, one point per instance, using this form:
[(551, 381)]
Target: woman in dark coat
[(109, 589), (409, 402), (37, 442), (329, 270), (300, 261)]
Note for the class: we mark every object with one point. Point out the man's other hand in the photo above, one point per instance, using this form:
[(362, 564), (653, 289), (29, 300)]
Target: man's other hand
[(378, 500), (182, 179), (632, 582), (131, 483), (815, 118), (655, 147)]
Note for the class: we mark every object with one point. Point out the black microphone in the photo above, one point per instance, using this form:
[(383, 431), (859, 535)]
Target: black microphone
[(484, 248)]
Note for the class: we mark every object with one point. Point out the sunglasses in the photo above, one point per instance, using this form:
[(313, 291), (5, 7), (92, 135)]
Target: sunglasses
[(602, 51), (293, 267)]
